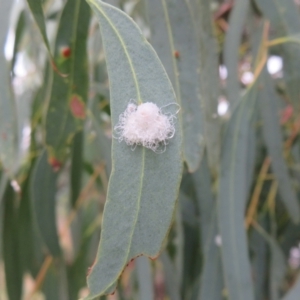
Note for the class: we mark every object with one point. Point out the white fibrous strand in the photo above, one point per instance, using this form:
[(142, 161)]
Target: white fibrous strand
[(145, 125)]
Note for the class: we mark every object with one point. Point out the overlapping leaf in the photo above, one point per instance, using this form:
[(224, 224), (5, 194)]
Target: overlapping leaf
[(143, 186), (8, 116), (268, 100), (285, 22), (174, 37), (67, 106), (233, 194), (43, 193)]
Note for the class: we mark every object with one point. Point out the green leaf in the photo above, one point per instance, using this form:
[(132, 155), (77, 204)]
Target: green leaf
[(210, 81), (145, 281), (36, 8), (171, 278), (67, 107), (211, 281), (76, 166), (294, 292), (231, 50), (268, 100), (258, 247), (284, 18), (278, 266), (55, 283), (43, 193), (31, 252), (174, 37), (21, 25), (13, 269), (8, 115), (143, 186), (233, 194)]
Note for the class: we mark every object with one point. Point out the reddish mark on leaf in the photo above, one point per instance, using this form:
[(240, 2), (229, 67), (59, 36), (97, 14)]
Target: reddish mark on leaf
[(4, 136), (55, 164), (77, 106), (286, 114), (65, 52), (113, 293), (176, 54)]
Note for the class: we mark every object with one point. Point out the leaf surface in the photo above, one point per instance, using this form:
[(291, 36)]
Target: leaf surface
[(233, 194), (268, 100), (43, 193), (8, 115), (143, 186), (174, 37), (284, 19), (67, 106)]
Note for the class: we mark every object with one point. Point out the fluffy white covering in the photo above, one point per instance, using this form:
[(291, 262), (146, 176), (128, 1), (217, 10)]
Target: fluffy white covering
[(145, 125)]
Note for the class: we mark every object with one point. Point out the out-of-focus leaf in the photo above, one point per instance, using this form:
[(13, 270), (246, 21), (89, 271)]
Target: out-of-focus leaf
[(231, 50), (211, 281), (55, 283), (278, 265), (13, 269), (8, 116), (145, 281), (76, 166), (284, 18), (136, 220), (43, 193), (294, 292), (18, 36), (67, 106), (259, 248), (209, 81), (31, 254), (174, 37), (273, 139), (233, 194), (77, 270), (171, 278), (36, 8)]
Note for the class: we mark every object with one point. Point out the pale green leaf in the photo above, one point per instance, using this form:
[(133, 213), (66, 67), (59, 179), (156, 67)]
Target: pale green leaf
[(231, 49), (67, 106), (233, 194), (43, 193), (268, 100), (144, 185), (8, 115), (174, 37)]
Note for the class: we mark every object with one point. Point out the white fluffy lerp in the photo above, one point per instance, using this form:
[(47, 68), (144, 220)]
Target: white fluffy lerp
[(145, 125)]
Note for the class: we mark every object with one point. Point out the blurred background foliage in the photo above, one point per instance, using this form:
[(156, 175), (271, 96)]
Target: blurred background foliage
[(236, 230)]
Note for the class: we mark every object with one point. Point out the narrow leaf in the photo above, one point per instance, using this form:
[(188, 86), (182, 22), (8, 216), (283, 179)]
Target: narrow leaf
[(145, 281), (209, 72), (233, 194), (76, 166), (268, 100), (8, 116), (231, 49), (211, 282), (13, 269), (43, 192), (174, 37), (67, 106), (144, 185)]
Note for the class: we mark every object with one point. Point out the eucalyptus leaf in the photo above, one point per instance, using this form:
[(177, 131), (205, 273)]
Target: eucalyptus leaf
[(67, 106), (233, 194), (174, 37), (144, 185)]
